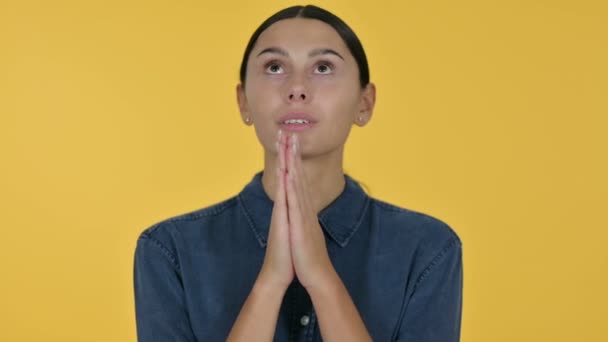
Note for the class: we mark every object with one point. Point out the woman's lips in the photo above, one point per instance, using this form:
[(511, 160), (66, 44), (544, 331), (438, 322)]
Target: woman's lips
[(297, 127), (297, 115)]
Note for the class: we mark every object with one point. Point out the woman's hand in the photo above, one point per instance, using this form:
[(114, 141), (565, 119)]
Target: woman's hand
[(296, 244), (311, 261), (278, 268)]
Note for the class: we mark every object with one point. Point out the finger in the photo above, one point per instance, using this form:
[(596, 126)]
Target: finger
[(280, 150), (299, 180), (284, 170), (280, 197), (293, 203), (300, 168), (280, 165), (291, 164)]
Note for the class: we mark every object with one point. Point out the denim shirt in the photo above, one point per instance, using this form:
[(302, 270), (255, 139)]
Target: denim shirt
[(402, 269)]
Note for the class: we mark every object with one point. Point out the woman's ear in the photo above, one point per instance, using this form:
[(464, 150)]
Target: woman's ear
[(242, 102), (366, 105)]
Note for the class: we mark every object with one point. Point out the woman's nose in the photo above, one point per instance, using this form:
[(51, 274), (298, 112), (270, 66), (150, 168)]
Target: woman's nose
[(297, 95), (298, 91)]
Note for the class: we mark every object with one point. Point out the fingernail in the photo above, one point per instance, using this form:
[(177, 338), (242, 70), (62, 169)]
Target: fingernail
[(280, 134), (294, 144)]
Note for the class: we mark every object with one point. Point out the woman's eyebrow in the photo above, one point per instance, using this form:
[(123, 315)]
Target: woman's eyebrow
[(317, 52), (313, 53)]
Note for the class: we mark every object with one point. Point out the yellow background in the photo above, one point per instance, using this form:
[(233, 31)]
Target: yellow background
[(491, 116)]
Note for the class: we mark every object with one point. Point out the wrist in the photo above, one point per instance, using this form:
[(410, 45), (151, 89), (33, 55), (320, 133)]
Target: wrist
[(265, 284), (326, 285)]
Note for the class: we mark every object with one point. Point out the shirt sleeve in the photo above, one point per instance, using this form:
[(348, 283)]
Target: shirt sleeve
[(160, 305), (434, 311)]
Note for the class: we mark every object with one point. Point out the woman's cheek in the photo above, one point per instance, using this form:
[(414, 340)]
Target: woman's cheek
[(260, 93), (270, 88)]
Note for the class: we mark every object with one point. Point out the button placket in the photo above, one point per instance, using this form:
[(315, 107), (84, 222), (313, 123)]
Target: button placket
[(300, 316), (311, 329)]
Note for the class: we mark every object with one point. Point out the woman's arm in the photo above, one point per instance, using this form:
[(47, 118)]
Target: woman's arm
[(258, 317), (160, 304), (433, 312), (339, 319)]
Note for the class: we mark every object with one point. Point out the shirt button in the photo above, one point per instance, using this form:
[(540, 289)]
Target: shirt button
[(304, 320)]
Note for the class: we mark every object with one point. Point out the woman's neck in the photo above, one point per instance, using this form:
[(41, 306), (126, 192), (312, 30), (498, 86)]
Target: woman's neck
[(324, 175)]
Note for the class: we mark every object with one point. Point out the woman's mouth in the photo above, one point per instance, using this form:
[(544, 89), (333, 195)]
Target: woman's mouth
[(296, 125)]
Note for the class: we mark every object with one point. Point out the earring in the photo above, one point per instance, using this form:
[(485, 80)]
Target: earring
[(361, 118), (247, 119)]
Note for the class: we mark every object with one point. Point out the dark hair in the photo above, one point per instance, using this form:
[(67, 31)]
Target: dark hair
[(314, 12)]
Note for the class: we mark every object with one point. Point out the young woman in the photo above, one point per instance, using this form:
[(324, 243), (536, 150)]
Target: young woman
[(302, 253)]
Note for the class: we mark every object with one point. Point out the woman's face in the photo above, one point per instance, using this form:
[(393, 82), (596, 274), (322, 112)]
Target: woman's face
[(303, 66)]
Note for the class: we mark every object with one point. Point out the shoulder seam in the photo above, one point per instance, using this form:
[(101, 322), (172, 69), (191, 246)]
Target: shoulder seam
[(162, 248), (451, 243), (206, 211), (388, 206), (454, 241)]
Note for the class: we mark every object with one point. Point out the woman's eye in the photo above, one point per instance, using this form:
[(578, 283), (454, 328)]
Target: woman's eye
[(273, 67), (324, 68)]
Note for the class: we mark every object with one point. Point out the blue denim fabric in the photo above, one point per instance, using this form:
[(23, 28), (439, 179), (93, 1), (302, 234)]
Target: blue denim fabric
[(403, 270)]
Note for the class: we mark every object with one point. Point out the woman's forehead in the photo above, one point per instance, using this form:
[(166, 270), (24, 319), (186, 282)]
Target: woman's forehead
[(300, 33)]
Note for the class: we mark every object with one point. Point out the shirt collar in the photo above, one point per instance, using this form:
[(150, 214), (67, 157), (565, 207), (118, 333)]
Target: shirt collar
[(340, 219)]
